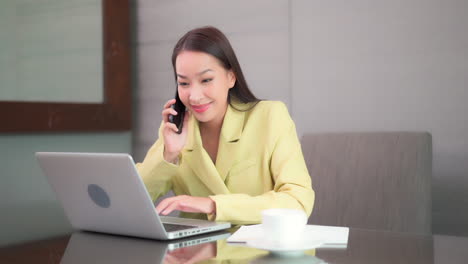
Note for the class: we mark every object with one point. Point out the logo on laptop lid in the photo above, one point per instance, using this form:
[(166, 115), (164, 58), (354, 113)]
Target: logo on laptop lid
[(98, 195)]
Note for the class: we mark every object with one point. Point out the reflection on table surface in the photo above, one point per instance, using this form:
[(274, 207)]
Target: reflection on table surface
[(364, 246), (85, 247)]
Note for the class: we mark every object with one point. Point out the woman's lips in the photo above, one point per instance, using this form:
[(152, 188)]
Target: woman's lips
[(201, 108)]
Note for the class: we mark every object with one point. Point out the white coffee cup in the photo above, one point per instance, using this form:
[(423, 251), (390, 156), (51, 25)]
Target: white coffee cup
[(283, 227)]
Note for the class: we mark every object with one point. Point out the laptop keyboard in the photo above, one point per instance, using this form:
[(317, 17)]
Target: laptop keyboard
[(173, 227)]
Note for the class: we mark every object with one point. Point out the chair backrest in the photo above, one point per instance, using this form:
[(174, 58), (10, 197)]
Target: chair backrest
[(376, 180)]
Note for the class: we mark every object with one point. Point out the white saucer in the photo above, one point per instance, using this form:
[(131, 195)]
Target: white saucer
[(274, 248)]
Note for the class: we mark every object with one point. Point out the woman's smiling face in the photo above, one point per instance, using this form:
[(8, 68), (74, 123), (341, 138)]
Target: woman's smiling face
[(203, 85)]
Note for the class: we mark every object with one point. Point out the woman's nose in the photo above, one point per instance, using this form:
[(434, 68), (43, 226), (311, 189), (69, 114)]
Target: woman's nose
[(196, 94)]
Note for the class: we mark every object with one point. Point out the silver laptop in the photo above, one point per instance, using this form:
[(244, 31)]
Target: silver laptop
[(86, 247), (103, 192)]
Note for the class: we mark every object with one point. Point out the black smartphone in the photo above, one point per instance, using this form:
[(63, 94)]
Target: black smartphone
[(178, 119)]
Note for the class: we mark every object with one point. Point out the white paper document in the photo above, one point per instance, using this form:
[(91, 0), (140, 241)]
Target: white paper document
[(333, 236)]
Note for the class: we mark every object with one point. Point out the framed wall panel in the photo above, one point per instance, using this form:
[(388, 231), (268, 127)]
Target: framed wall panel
[(113, 114)]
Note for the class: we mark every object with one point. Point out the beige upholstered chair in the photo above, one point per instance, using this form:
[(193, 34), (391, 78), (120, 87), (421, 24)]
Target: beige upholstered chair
[(376, 180)]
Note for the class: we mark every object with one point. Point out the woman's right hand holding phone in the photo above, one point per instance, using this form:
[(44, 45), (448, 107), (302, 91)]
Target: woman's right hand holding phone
[(173, 142)]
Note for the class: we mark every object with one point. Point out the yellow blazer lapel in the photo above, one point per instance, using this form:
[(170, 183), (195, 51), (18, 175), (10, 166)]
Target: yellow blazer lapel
[(231, 132), (200, 162)]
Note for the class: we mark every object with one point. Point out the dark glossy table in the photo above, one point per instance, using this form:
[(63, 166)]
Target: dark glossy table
[(364, 246)]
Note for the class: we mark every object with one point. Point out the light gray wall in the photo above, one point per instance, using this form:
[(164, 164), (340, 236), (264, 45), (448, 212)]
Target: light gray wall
[(389, 65), (339, 65), (449, 249)]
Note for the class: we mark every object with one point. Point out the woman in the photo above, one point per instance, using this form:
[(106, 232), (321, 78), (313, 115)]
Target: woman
[(236, 155)]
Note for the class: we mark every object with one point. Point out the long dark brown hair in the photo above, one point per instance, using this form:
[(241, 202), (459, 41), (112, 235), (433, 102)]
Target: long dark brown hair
[(212, 41)]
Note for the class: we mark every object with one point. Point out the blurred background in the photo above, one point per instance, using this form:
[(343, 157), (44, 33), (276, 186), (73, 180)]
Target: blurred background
[(339, 65)]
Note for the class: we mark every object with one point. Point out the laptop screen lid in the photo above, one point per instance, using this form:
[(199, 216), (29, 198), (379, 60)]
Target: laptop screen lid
[(103, 192)]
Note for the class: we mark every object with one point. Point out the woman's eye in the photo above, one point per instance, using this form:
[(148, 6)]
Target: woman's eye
[(183, 84), (207, 80)]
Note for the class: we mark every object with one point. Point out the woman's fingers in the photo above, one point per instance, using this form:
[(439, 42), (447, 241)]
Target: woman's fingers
[(166, 202), (171, 126), (175, 205), (170, 204), (166, 112), (169, 103), (186, 203)]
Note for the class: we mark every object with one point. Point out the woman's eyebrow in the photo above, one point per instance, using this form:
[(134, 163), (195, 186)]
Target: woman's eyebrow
[(200, 73), (205, 71)]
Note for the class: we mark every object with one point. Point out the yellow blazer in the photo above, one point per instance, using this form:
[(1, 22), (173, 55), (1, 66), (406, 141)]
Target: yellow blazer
[(259, 165)]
